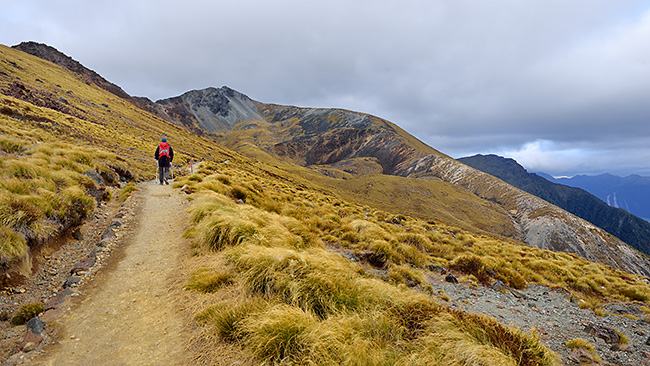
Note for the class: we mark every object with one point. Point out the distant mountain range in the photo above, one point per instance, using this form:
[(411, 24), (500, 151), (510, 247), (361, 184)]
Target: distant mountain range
[(616, 221), (631, 193)]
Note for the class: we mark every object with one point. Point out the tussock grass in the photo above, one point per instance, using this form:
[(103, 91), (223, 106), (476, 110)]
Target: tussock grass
[(313, 305), (313, 281), (227, 316), (299, 302), (43, 192), (12, 246), (25, 313), (277, 334), (581, 343), (126, 191), (11, 145), (207, 280)]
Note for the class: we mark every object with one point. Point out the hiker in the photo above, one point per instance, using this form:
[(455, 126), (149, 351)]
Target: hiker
[(164, 155)]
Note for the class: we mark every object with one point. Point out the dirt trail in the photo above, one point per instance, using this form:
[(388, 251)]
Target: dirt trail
[(130, 315)]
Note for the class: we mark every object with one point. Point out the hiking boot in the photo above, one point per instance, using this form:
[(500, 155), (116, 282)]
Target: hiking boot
[(166, 182)]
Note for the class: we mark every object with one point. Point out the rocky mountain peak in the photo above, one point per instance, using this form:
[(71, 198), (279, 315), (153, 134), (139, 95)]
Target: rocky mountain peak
[(210, 109)]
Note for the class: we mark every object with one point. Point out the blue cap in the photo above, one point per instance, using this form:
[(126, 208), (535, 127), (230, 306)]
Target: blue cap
[(164, 139)]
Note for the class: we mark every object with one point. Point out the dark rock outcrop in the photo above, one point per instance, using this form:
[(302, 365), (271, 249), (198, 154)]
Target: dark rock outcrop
[(451, 278)]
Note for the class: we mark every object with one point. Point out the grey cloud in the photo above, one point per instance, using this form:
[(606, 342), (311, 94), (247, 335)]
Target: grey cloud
[(463, 76)]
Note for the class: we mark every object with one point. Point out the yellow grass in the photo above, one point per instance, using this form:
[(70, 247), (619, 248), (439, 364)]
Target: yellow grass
[(299, 302), (280, 244)]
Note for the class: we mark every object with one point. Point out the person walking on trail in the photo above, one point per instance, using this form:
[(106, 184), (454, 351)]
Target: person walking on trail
[(164, 155)]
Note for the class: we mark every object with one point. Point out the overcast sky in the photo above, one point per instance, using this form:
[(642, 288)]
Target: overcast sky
[(561, 86)]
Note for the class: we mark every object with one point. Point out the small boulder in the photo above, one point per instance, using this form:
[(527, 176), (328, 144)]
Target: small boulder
[(77, 234), (85, 264), (351, 257), (451, 279), (619, 347), (609, 335), (395, 221), (57, 299), (582, 357), (30, 346), (31, 341), (108, 234), (499, 286), (96, 177), (377, 260), (36, 325), (186, 189)]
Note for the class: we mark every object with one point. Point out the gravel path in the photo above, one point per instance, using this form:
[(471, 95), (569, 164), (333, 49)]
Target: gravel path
[(128, 314)]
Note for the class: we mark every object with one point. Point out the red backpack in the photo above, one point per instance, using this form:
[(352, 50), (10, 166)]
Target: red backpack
[(163, 150)]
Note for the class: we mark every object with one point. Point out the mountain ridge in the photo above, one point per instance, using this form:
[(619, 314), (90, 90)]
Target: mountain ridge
[(631, 193), (322, 139), (629, 228), (57, 57)]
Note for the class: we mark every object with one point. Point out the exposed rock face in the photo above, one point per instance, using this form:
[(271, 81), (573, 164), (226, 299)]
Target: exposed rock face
[(347, 143), (328, 136), (211, 109), (542, 224)]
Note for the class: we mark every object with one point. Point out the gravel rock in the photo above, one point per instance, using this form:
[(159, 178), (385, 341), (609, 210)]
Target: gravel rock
[(555, 318), (71, 281)]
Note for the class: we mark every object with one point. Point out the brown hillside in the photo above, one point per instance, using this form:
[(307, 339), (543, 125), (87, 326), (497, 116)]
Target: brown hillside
[(324, 139)]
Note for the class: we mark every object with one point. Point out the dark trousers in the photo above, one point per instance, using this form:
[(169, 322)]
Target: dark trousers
[(163, 173)]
